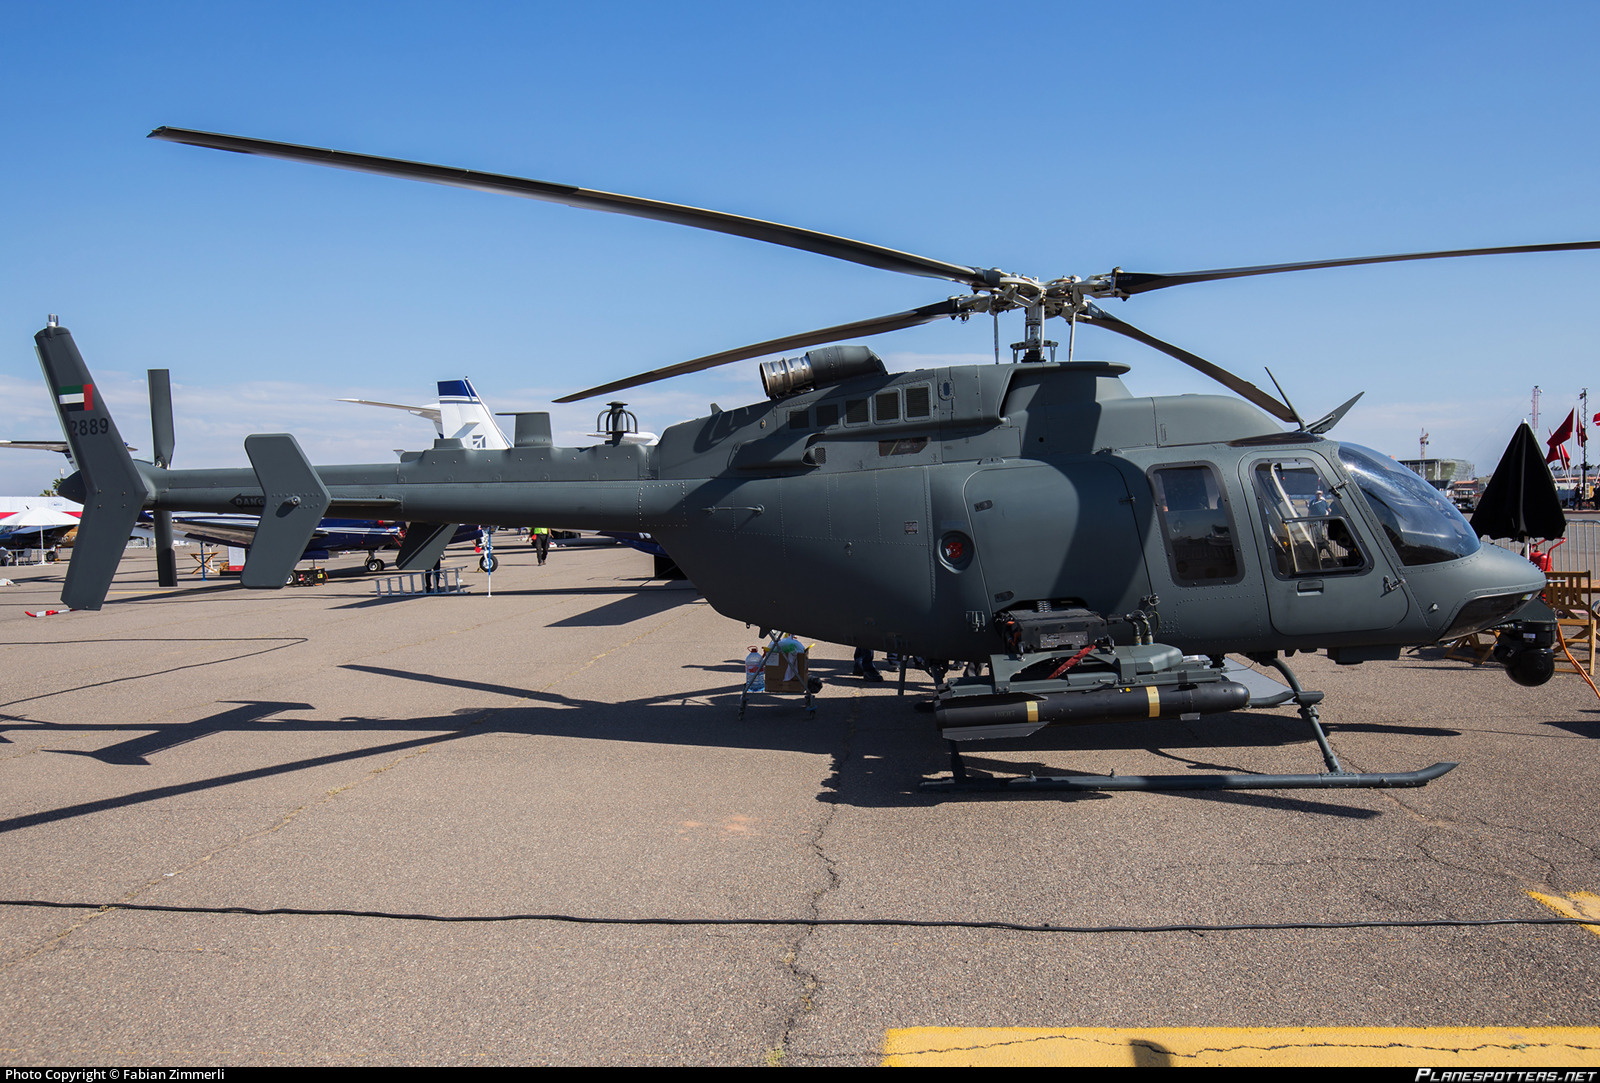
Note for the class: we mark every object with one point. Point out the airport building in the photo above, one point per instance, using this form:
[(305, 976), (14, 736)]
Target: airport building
[(1441, 472)]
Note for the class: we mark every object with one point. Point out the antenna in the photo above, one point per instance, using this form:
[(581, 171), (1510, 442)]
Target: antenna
[(616, 422), (1298, 419)]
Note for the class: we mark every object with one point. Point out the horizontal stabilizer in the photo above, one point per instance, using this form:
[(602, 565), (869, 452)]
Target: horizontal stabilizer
[(295, 500), (424, 545)]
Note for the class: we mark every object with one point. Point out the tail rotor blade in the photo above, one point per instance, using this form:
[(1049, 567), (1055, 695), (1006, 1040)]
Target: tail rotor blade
[(161, 431), (161, 441)]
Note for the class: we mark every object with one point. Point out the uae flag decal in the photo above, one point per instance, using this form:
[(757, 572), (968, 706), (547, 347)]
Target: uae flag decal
[(78, 397)]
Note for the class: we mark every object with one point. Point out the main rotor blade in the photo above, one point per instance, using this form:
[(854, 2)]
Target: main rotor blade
[(1132, 282), (1097, 316), (824, 244), (953, 306)]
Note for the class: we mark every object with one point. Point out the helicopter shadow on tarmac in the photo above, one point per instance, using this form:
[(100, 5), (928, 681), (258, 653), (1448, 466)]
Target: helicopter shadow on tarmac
[(245, 717), (1584, 727), (880, 747), (255, 645), (636, 605), (637, 721)]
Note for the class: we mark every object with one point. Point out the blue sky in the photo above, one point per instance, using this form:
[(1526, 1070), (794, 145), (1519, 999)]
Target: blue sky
[(1048, 140)]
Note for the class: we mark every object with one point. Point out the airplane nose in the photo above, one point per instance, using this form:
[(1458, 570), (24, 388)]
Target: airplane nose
[(1493, 585)]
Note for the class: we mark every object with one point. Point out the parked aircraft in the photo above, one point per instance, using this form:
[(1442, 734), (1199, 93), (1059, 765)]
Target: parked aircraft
[(331, 536), (458, 415)]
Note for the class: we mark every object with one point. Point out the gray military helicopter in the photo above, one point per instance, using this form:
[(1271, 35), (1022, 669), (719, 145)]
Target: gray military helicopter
[(1095, 554)]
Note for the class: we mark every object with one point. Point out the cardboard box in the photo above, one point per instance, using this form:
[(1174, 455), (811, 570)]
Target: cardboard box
[(775, 670)]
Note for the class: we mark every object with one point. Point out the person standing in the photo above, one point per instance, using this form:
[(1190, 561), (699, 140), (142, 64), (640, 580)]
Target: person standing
[(541, 542), (864, 667)]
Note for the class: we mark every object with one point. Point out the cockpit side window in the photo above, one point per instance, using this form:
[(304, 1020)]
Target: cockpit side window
[(1202, 549), (1307, 528)]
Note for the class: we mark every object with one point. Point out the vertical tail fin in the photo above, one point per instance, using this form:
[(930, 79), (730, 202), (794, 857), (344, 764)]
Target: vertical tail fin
[(114, 490)]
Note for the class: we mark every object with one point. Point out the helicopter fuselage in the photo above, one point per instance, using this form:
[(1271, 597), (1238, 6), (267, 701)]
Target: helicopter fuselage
[(906, 511)]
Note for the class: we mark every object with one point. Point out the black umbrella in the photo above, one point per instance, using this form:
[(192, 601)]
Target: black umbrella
[(1520, 501)]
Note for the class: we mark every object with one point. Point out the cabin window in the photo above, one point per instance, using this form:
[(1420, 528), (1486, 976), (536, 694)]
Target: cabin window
[(827, 414), (1306, 525), (799, 419), (918, 402), (1195, 525), (855, 412), (886, 405)]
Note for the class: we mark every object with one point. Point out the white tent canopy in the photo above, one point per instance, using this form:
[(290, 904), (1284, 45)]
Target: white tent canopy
[(38, 519)]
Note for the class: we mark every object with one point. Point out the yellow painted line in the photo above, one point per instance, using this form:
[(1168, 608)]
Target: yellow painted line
[(1579, 904), (1155, 700), (1033, 710), (1279, 1047)]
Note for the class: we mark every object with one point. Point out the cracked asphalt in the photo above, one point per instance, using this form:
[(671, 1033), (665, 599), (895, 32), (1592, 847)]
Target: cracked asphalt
[(570, 748)]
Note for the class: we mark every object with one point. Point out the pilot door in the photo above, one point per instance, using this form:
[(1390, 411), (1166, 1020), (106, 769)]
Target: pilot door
[(1323, 575), (1046, 532)]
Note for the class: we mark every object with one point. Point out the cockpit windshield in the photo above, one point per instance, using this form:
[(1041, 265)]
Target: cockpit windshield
[(1423, 526)]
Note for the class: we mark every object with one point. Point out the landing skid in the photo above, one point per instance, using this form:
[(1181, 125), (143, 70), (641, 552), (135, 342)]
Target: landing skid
[(1335, 778), (961, 782)]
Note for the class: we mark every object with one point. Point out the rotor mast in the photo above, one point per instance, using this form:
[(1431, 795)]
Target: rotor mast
[(1031, 349)]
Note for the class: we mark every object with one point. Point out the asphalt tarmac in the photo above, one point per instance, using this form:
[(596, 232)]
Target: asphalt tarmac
[(647, 877)]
